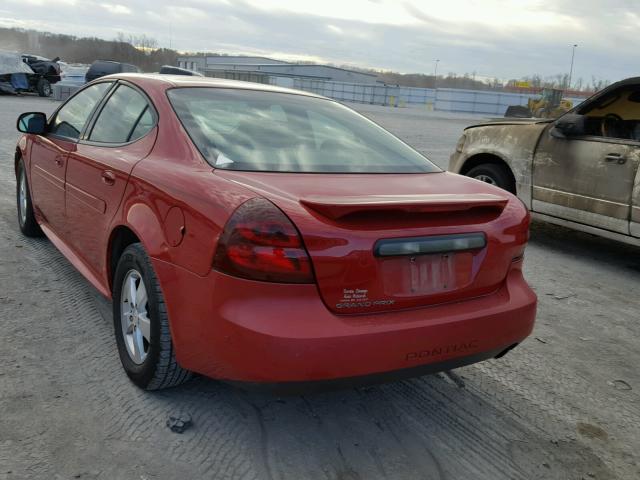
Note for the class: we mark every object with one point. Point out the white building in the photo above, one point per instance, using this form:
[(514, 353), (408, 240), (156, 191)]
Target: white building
[(268, 70)]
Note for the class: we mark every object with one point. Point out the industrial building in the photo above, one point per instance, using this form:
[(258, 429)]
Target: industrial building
[(351, 86), (268, 70)]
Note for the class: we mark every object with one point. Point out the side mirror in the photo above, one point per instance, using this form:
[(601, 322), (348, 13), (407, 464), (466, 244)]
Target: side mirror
[(32, 122), (569, 125)]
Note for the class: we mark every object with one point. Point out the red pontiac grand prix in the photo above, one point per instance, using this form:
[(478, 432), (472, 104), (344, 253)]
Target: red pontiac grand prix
[(261, 235)]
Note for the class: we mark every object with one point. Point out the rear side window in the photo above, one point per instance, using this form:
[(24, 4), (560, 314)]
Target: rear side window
[(280, 132), (125, 117), (71, 118)]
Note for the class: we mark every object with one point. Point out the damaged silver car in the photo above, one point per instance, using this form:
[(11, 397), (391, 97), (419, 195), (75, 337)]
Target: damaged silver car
[(21, 73), (580, 170)]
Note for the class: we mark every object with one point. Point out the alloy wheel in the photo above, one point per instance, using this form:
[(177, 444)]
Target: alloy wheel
[(22, 198), (134, 314), (486, 179)]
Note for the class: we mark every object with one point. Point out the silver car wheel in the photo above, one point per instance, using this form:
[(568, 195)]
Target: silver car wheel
[(134, 317), (486, 179), (22, 198)]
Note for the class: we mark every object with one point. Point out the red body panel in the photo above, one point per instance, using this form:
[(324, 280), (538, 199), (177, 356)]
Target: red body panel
[(255, 332), (342, 248), (96, 179), (47, 172), (226, 327)]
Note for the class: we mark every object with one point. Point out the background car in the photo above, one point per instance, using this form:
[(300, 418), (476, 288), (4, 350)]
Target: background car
[(580, 170), (47, 72), (262, 235), (73, 73), (171, 70), (100, 68), (27, 73)]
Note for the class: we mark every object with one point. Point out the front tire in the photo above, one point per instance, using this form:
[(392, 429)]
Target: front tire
[(493, 174), (26, 218), (44, 87), (141, 324)]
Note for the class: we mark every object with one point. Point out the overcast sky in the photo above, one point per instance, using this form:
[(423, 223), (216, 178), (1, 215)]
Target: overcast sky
[(492, 38)]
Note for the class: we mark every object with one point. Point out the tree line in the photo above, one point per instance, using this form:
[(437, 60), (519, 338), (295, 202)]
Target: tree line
[(143, 51)]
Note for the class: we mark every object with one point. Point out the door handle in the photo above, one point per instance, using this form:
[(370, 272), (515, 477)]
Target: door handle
[(108, 177), (615, 157), (59, 161)]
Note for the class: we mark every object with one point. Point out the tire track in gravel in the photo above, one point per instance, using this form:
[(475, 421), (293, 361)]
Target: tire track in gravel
[(425, 428), (127, 413), (569, 403)]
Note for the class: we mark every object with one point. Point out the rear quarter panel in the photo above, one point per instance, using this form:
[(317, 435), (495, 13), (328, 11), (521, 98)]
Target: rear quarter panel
[(514, 144), (175, 178)]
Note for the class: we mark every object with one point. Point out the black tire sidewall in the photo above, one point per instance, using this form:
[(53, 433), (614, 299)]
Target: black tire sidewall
[(21, 172), (496, 172), (134, 258), (30, 226), (44, 87)]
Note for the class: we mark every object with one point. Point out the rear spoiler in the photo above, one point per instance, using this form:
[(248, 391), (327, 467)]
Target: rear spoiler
[(338, 207)]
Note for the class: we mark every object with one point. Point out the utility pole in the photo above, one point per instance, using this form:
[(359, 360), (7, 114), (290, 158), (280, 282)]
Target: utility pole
[(435, 75), (573, 53)]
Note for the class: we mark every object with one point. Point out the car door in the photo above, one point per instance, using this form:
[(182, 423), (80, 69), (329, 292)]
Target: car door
[(589, 178), (49, 152), (122, 133)]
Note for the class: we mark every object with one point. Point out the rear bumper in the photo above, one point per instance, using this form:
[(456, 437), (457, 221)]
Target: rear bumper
[(256, 332), (370, 379)]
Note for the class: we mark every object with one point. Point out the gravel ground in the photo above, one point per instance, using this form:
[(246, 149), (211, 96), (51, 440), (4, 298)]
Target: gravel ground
[(563, 405)]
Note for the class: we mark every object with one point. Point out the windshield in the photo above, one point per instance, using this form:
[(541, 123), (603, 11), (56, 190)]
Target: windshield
[(279, 132)]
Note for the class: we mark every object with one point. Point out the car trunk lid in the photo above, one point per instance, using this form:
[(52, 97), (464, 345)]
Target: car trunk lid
[(384, 242)]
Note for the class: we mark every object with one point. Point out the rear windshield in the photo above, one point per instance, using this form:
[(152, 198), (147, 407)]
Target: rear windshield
[(277, 132)]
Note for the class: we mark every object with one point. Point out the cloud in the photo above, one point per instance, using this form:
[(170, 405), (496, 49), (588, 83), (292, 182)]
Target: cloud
[(491, 38), (117, 9)]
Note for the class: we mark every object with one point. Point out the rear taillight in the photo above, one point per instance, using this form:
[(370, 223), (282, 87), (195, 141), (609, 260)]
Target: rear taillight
[(259, 242)]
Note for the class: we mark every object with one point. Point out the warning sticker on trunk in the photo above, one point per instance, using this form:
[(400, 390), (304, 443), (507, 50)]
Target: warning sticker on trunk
[(359, 298)]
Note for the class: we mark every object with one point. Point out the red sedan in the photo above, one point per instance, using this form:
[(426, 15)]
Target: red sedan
[(263, 235)]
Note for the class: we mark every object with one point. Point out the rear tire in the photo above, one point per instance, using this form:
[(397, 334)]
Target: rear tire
[(493, 174), (141, 324), (26, 218), (44, 87)]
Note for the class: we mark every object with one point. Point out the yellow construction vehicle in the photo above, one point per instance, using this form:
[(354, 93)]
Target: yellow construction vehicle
[(549, 105)]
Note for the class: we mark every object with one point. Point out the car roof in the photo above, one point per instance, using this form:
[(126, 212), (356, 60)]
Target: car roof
[(172, 81)]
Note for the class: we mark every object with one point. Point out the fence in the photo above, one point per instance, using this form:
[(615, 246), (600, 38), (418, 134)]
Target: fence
[(485, 102)]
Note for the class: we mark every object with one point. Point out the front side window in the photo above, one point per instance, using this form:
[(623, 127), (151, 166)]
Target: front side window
[(266, 131), (71, 118), (617, 115), (124, 118)]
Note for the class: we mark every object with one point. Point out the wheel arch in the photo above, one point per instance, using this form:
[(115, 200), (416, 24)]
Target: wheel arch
[(121, 237), (489, 158), (139, 224)]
